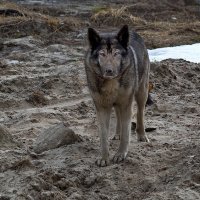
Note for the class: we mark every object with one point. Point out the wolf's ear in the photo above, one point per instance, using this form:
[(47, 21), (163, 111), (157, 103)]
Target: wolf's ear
[(123, 36), (93, 38)]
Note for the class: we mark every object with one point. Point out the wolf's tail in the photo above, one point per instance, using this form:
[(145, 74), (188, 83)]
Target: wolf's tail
[(149, 99)]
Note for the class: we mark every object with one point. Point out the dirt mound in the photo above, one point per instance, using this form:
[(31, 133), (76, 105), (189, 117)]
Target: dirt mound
[(181, 78)]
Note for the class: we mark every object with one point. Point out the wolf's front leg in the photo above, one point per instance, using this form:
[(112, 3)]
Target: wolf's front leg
[(104, 120), (125, 115)]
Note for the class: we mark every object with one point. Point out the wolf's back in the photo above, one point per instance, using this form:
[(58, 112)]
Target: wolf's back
[(143, 63)]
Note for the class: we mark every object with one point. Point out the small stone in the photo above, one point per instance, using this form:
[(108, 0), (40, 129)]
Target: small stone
[(90, 181)]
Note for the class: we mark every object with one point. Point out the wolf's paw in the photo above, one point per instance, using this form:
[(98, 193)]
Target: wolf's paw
[(142, 138), (102, 162), (116, 137), (119, 157)]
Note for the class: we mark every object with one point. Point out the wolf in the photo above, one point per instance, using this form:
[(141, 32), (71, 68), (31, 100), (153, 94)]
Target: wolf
[(117, 69)]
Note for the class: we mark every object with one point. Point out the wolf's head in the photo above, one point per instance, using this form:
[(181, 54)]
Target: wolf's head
[(109, 52)]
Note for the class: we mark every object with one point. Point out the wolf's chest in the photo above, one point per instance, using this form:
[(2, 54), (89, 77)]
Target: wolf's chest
[(110, 88), (108, 93)]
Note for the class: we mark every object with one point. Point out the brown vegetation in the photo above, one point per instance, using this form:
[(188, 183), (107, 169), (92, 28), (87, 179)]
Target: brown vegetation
[(163, 24), (33, 23)]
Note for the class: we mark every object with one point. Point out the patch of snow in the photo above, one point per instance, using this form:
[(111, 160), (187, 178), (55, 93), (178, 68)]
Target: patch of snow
[(187, 52)]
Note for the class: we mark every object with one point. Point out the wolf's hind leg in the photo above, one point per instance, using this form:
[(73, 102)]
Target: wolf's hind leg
[(119, 125), (141, 99)]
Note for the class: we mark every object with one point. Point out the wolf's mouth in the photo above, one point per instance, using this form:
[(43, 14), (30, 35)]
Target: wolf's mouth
[(106, 76)]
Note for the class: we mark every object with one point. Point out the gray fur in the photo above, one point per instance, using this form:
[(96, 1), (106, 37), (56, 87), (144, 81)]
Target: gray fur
[(128, 80)]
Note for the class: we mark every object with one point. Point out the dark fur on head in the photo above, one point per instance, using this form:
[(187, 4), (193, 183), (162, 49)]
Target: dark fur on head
[(123, 36), (95, 39), (109, 52)]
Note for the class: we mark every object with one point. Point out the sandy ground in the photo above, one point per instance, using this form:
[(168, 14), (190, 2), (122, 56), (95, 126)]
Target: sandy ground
[(43, 85)]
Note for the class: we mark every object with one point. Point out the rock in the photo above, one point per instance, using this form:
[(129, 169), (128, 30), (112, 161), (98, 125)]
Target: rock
[(6, 139), (149, 129), (90, 180), (55, 137)]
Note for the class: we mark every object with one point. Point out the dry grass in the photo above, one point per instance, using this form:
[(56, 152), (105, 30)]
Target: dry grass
[(155, 33), (160, 34), (33, 23), (27, 14), (115, 17)]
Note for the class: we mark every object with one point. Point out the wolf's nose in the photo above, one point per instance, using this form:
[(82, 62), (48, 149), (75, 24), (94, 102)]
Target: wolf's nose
[(109, 71)]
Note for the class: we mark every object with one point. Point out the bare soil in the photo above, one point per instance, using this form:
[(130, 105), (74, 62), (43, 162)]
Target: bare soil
[(43, 84)]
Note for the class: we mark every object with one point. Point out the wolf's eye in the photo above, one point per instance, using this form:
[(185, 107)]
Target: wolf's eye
[(116, 53), (101, 53)]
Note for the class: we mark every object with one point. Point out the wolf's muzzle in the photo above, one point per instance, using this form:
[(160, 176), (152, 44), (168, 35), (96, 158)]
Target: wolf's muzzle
[(109, 72)]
